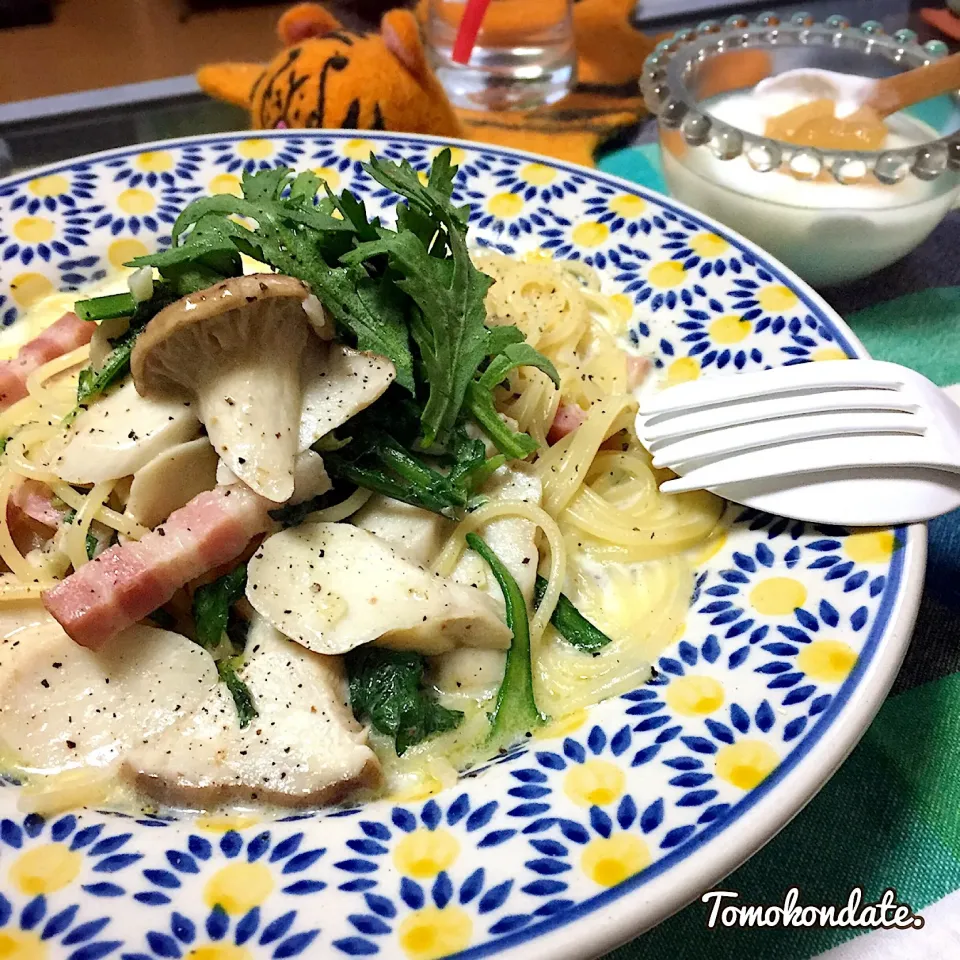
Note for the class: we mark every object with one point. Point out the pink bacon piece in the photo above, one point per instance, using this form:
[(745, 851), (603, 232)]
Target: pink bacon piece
[(125, 583), (569, 416), (68, 333), (36, 500)]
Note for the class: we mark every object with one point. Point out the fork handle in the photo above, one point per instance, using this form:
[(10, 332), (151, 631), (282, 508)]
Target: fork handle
[(820, 456)]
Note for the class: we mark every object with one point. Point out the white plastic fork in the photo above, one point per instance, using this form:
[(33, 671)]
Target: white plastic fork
[(860, 442)]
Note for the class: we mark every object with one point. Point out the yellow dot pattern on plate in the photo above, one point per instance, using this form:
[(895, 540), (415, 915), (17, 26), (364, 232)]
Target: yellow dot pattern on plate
[(505, 204), (594, 783), (682, 370), (154, 161), (874, 546), (777, 299), (424, 853), (125, 249), (827, 660), (136, 201), (330, 176), (239, 887), (45, 870), (611, 860), (27, 288), (225, 183), (590, 234), (50, 186), (667, 274), (562, 726), (33, 229), (729, 329), (431, 933), (221, 823), (255, 148), (778, 596), (219, 951), (358, 149), (828, 353), (708, 244), (538, 174), (628, 205), (21, 945), (694, 695), (747, 763), (457, 156)]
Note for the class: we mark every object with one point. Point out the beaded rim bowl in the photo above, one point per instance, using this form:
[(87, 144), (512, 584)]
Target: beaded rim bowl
[(611, 818), (665, 87)]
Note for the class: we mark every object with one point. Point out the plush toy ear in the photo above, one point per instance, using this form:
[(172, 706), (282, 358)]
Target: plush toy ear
[(304, 21), (401, 36), (232, 82)]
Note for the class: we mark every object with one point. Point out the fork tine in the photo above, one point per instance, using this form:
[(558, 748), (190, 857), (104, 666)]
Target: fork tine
[(816, 456), (667, 429), (741, 438), (805, 377)]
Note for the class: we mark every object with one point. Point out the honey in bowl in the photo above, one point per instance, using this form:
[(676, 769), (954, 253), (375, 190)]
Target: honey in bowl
[(816, 124)]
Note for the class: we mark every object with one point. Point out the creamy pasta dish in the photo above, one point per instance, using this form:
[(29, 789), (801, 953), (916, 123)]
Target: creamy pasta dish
[(309, 508)]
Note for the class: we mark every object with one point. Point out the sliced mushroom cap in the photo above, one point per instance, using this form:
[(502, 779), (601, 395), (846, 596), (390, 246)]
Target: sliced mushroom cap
[(416, 533), (338, 382), (171, 480), (121, 432), (63, 705), (304, 748), (333, 587), (236, 347)]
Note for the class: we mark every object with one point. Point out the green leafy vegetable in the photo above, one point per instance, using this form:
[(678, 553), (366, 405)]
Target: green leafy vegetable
[(92, 544), (516, 712), (212, 603), (570, 623), (386, 689), (450, 325), (242, 698), (411, 294), (106, 308), (117, 365)]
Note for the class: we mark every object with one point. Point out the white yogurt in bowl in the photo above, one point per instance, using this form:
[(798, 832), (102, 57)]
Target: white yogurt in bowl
[(826, 231)]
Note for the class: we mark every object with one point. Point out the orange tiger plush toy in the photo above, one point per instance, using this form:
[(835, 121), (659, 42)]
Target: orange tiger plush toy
[(319, 79)]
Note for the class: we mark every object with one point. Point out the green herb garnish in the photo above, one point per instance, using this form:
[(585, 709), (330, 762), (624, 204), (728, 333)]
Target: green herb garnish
[(386, 689), (516, 712), (110, 307), (212, 603), (570, 623), (227, 670)]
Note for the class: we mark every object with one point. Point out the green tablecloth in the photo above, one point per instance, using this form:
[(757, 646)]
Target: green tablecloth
[(890, 817)]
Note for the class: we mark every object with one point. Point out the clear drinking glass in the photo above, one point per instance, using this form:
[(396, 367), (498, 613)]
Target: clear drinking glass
[(524, 56)]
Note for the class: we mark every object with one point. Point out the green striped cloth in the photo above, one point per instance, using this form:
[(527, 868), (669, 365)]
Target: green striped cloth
[(890, 817)]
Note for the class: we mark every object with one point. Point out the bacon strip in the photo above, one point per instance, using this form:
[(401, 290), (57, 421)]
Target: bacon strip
[(569, 416), (125, 583), (36, 500), (68, 333)]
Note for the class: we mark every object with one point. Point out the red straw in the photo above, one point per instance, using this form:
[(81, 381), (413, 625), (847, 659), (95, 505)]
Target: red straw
[(469, 28)]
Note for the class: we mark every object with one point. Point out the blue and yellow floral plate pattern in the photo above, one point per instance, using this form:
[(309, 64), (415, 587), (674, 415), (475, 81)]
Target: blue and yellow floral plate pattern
[(611, 818)]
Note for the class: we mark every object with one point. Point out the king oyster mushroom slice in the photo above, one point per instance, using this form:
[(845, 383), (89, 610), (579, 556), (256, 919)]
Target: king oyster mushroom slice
[(64, 706), (304, 748), (236, 348), (333, 587), (121, 432), (171, 480), (310, 478), (338, 382)]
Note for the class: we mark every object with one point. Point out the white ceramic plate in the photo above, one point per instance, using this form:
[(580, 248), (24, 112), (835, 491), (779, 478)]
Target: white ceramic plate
[(614, 818)]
